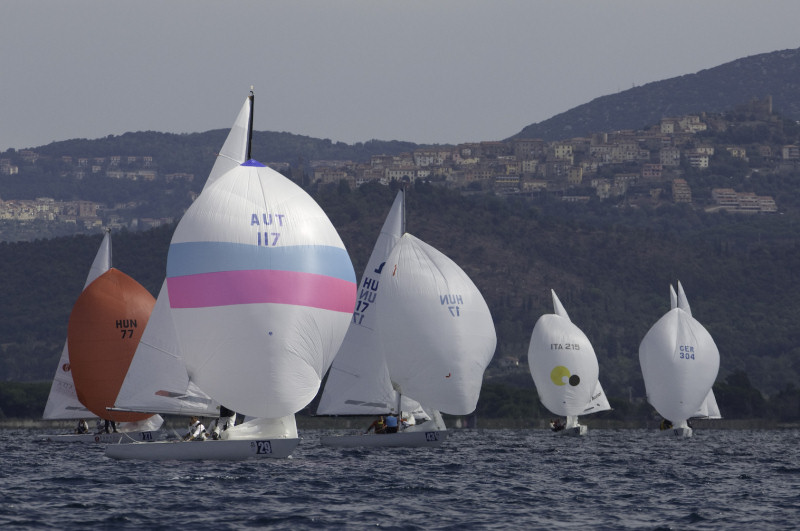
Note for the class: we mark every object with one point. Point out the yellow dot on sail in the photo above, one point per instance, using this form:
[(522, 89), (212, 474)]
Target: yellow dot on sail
[(558, 374)]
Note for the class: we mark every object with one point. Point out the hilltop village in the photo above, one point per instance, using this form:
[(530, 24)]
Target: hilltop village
[(652, 165)]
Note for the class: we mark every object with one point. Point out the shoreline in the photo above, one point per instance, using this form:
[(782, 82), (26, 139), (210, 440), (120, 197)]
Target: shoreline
[(350, 423)]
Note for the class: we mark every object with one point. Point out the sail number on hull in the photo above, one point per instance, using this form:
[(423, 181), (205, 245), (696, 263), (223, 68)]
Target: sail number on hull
[(261, 447)]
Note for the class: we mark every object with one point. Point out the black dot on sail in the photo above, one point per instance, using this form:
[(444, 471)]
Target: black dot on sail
[(574, 380)]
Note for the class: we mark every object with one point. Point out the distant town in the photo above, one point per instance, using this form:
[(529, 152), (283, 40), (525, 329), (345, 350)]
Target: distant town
[(648, 165)]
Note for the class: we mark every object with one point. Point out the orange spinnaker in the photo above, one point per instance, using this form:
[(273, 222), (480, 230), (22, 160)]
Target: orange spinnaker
[(104, 329)]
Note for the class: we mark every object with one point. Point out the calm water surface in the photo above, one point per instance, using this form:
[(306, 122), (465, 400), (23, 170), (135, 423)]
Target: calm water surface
[(481, 479)]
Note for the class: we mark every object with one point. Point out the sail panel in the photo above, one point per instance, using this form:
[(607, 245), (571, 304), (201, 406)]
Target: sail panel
[(227, 288), (193, 258), (234, 150)]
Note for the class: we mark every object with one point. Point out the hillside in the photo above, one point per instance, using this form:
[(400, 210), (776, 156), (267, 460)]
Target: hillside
[(610, 267), (717, 89)]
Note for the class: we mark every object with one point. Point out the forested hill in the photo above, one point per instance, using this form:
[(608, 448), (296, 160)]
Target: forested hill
[(611, 268), (717, 89), (195, 152)]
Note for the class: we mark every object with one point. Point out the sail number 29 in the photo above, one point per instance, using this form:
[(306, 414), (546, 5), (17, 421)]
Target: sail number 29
[(686, 352)]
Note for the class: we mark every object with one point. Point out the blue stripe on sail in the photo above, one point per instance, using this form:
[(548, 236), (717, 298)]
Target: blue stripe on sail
[(192, 258), (253, 162)]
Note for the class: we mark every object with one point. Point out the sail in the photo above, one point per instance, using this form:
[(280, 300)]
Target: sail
[(437, 330), (679, 361), (564, 366), (62, 402), (709, 409), (236, 148), (358, 382), (261, 290), (104, 328), (157, 380)]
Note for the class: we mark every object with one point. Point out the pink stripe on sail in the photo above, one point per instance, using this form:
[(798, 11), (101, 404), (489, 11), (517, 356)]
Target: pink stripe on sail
[(227, 288)]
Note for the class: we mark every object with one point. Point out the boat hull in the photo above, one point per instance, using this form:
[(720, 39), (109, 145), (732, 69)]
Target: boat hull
[(236, 450), (575, 431), (677, 432), (404, 439), (105, 438)]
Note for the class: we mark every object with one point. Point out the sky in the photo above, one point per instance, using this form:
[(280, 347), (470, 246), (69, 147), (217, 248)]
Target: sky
[(423, 71)]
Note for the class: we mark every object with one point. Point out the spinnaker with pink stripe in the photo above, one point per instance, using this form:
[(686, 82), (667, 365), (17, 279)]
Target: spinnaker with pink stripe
[(261, 290)]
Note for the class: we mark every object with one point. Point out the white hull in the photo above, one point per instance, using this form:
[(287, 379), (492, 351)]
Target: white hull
[(575, 431), (106, 438), (406, 439), (677, 432), (235, 450)]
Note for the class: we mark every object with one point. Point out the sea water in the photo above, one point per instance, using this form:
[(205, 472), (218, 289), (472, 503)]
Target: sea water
[(479, 479)]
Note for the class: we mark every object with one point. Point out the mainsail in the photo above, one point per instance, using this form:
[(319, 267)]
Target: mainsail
[(157, 380), (63, 403), (358, 382)]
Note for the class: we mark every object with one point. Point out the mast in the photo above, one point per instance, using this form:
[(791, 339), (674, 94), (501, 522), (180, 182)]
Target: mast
[(403, 216), (251, 97)]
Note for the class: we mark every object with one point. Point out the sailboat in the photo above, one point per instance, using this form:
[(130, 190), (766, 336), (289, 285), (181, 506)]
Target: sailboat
[(260, 290), (564, 369), (358, 382), (104, 326), (437, 337), (680, 362)]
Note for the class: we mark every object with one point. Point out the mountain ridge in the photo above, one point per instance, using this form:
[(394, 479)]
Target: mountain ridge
[(716, 89)]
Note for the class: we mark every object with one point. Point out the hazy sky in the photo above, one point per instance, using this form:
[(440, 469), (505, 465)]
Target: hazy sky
[(425, 71)]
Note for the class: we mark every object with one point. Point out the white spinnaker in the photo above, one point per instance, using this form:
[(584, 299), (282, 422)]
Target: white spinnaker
[(62, 402), (563, 365), (264, 359), (157, 381), (680, 362), (358, 381), (438, 331)]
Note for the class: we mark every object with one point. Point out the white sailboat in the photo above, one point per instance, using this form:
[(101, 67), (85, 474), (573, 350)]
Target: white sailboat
[(437, 336), (564, 369), (261, 290), (680, 362), (63, 401), (358, 382)]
